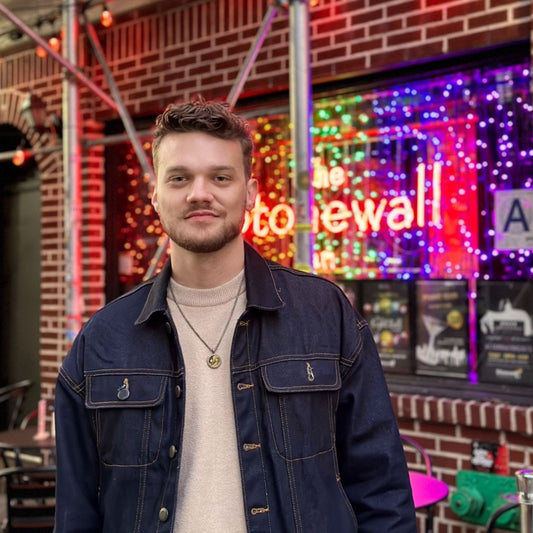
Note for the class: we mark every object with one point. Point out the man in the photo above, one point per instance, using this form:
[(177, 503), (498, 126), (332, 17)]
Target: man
[(227, 394)]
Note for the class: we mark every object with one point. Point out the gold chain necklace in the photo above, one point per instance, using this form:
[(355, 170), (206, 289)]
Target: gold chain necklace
[(214, 360)]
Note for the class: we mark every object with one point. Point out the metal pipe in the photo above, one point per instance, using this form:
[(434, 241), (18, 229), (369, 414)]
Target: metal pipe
[(251, 56), (6, 156), (301, 115), (115, 138), (123, 112), (86, 143), (80, 76), (72, 176), (524, 483)]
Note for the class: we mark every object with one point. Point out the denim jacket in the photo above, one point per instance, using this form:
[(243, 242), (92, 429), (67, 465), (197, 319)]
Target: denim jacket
[(318, 443)]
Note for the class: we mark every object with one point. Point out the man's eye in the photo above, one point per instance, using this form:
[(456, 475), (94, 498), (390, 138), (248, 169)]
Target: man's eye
[(177, 178), (221, 178)]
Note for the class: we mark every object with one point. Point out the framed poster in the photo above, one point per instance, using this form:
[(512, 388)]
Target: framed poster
[(505, 331), (385, 306), (441, 329)]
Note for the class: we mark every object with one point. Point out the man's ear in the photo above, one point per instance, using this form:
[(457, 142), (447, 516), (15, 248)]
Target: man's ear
[(251, 193), (155, 202)]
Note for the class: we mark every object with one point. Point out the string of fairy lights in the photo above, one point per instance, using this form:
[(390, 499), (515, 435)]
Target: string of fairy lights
[(403, 182)]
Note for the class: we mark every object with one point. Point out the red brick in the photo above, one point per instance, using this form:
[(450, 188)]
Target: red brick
[(348, 7), (384, 27), (320, 12), (521, 11), (369, 15), (404, 37), (332, 25), (404, 7), (200, 70), (475, 433), (443, 30), (491, 18), (426, 18), (462, 10), (366, 45), (351, 35), (331, 54), (386, 59), (454, 446)]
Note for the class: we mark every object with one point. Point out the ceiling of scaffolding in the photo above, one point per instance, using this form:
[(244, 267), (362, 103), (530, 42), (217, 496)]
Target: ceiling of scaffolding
[(44, 17)]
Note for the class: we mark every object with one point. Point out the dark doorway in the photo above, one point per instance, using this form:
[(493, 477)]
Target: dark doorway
[(20, 249)]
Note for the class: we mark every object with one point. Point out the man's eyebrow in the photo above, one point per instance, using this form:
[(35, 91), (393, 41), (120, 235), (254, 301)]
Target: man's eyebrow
[(220, 168), (212, 168)]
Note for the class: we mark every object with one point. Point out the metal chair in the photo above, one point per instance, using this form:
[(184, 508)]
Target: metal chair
[(13, 396), (32, 457), (433, 490), (30, 499)]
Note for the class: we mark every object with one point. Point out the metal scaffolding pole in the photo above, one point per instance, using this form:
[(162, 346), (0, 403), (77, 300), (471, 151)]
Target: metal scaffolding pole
[(72, 175), (301, 113), (252, 55), (123, 112)]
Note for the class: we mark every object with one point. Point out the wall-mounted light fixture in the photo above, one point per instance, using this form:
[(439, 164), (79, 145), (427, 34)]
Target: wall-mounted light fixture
[(33, 111), (20, 156)]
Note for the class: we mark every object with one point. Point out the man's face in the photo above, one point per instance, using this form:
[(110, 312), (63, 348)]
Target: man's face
[(201, 191)]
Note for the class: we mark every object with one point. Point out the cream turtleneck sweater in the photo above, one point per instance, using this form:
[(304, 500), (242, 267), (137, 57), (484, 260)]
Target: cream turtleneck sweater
[(210, 495)]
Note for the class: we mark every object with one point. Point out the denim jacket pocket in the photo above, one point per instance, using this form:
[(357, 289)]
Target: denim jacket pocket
[(301, 397), (128, 410)]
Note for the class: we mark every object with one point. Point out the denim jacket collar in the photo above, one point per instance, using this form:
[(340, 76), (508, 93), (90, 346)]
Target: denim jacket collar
[(261, 290)]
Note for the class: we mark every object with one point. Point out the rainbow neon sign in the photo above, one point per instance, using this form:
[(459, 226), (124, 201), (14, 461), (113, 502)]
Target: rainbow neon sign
[(403, 181), (396, 214)]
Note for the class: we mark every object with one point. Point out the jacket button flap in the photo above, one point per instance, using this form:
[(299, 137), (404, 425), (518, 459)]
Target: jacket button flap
[(124, 390), (302, 375)]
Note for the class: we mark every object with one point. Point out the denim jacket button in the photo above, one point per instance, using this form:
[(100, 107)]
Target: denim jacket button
[(172, 452), (178, 391), (163, 514)]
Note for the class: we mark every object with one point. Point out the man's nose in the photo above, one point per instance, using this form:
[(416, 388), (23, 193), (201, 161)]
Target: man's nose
[(199, 191)]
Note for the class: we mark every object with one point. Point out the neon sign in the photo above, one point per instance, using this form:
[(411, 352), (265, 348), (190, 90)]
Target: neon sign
[(397, 213)]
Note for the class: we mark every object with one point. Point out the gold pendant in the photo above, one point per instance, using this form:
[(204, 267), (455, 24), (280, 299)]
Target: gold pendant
[(214, 361)]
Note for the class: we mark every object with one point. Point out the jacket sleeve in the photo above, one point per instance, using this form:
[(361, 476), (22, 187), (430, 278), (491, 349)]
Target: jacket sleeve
[(77, 458), (371, 458)]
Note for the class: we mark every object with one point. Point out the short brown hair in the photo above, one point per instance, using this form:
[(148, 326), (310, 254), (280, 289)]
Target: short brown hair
[(213, 118)]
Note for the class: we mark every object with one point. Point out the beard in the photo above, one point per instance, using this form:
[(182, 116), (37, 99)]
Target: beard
[(204, 244), (210, 244)]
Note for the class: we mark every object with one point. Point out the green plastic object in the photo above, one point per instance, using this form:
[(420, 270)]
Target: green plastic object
[(480, 494), (467, 502)]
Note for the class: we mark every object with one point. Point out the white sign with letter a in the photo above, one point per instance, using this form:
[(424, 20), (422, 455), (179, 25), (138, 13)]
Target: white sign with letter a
[(513, 219)]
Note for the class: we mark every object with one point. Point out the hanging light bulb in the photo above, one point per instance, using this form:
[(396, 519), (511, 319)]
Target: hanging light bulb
[(19, 157), (55, 44), (106, 18), (41, 52)]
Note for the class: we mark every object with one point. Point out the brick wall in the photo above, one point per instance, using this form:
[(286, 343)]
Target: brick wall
[(173, 50), (446, 429)]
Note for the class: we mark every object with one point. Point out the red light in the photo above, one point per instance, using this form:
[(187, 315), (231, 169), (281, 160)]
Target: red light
[(55, 44), (41, 52), (19, 157), (106, 18)]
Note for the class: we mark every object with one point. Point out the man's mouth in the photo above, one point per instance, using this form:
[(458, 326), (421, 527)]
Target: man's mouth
[(200, 215)]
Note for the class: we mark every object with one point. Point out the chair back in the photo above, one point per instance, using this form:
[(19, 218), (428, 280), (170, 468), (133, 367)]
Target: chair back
[(13, 397), (419, 453), (30, 498)]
